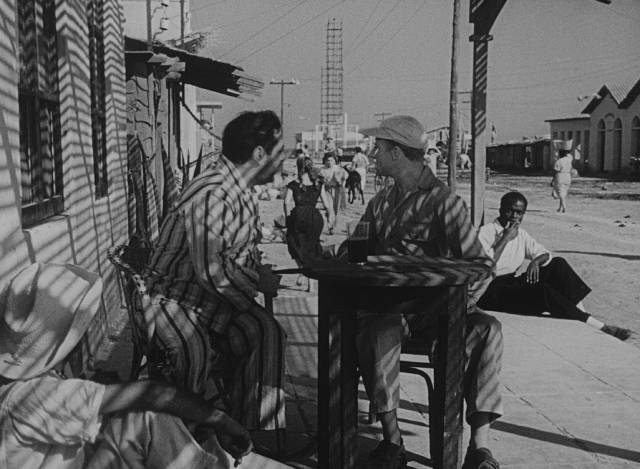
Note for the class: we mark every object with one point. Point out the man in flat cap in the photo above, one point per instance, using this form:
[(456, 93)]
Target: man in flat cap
[(418, 215)]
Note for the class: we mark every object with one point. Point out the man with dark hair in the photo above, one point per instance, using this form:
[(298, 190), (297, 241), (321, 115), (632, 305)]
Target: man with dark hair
[(205, 272), (549, 284), (418, 215)]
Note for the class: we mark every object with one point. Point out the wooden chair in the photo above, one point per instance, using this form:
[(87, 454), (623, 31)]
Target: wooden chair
[(130, 263)]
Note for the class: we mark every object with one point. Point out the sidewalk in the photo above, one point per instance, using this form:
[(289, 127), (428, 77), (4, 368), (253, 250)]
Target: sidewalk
[(566, 405)]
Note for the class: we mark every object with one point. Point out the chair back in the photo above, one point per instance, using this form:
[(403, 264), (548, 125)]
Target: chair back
[(130, 263)]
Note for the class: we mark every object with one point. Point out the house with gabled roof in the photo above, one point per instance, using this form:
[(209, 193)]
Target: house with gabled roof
[(609, 129)]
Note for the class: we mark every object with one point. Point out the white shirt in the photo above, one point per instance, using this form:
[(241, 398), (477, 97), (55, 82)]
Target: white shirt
[(45, 422), (522, 247)]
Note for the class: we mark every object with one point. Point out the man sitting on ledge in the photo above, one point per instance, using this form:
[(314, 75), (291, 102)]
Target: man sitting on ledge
[(47, 420), (549, 283)]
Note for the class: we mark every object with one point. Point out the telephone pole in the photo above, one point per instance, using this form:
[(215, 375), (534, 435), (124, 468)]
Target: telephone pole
[(282, 84), (453, 99)]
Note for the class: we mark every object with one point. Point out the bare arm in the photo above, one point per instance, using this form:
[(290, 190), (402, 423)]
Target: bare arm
[(326, 203), (288, 203), (509, 233), (163, 398)]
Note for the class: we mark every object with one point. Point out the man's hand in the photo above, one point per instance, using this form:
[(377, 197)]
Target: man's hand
[(533, 272), (511, 231), (234, 438), (268, 282)]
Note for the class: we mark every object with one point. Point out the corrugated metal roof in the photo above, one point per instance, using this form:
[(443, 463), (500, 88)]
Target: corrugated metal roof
[(200, 71)]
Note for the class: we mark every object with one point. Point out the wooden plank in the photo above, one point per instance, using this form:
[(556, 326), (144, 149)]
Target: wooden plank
[(337, 380), (446, 438)]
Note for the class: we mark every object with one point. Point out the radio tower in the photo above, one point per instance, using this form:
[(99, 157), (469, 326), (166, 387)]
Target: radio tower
[(331, 95)]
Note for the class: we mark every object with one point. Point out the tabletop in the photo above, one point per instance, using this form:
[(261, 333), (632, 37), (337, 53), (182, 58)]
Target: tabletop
[(400, 270)]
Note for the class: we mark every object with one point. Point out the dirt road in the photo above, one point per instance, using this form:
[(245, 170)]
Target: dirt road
[(599, 236)]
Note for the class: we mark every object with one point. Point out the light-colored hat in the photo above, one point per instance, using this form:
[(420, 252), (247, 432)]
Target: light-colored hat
[(566, 145), (45, 311), (405, 130)]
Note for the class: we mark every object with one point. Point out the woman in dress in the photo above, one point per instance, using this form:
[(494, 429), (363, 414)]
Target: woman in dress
[(303, 219), (334, 177), (562, 175)]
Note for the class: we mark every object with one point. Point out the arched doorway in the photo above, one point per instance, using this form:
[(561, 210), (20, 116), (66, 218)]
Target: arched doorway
[(635, 136), (617, 144), (601, 145)]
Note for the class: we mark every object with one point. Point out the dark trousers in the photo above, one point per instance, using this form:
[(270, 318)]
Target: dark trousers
[(557, 291)]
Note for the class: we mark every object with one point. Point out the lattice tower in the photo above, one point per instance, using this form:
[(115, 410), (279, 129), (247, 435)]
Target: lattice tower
[(331, 103)]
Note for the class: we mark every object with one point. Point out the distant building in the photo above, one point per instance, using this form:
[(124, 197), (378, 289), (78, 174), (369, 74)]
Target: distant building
[(609, 129), (576, 129), (531, 155)]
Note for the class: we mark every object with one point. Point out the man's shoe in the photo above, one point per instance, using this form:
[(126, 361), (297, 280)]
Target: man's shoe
[(480, 458), (617, 332), (388, 456)]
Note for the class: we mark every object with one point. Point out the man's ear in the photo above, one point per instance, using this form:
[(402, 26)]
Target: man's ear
[(258, 153), (396, 152)]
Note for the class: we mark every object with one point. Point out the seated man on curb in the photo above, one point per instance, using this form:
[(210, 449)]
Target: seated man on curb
[(49, 421), (418, 215), (549, 283)]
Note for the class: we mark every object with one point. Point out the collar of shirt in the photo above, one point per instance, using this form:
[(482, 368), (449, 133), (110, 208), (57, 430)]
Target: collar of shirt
[(233, 177)]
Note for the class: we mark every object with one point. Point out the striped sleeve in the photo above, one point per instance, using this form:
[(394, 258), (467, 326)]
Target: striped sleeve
[(464, 243), (212, 233)]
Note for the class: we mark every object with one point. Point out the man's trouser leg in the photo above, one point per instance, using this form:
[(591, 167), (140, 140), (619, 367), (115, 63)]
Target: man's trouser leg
[(257, 343), (378, 343), (483, 354), (557, 292), (147, 439)]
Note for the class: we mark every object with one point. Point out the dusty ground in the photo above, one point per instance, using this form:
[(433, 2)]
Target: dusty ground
[(599, 236)]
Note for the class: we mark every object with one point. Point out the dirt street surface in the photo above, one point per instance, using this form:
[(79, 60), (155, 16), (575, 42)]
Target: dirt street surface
[(599, 236)]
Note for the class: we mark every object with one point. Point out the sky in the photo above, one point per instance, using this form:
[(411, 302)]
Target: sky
[(397, 57)]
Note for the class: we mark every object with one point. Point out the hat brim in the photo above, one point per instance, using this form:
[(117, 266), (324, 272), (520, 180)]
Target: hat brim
[(29, 367), (379, 132)]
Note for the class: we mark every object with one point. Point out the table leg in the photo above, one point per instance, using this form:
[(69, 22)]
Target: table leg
[(446, 422), (337, 379)]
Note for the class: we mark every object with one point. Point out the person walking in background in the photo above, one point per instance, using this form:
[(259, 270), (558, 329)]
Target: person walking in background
[(562, 175), (303, 220), (549, 283), (334, 177), (360, 163)]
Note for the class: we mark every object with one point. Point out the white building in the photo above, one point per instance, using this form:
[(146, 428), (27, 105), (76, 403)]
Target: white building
[(609, 129)]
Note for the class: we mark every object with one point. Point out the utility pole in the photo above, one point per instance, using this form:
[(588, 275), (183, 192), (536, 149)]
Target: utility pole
[(453, 99), (282, 84), (181, 23), (149, 35), (380, 116)]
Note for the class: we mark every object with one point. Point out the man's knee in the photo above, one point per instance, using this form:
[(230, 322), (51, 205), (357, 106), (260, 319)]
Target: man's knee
[(485, 326)]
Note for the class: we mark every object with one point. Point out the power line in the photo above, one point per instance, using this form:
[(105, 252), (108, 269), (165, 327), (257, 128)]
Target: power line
[(291, 31), (398, 30), (355, 41), (300, 3), (362, 41)]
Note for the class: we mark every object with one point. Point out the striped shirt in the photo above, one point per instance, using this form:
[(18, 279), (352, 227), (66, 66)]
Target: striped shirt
[(207, 253), (429, 221)]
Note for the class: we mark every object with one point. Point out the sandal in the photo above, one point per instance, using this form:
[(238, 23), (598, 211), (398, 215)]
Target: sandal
[(480, 458)]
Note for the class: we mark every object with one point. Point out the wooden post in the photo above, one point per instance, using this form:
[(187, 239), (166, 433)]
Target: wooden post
[(478, 125), (453, 99)]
